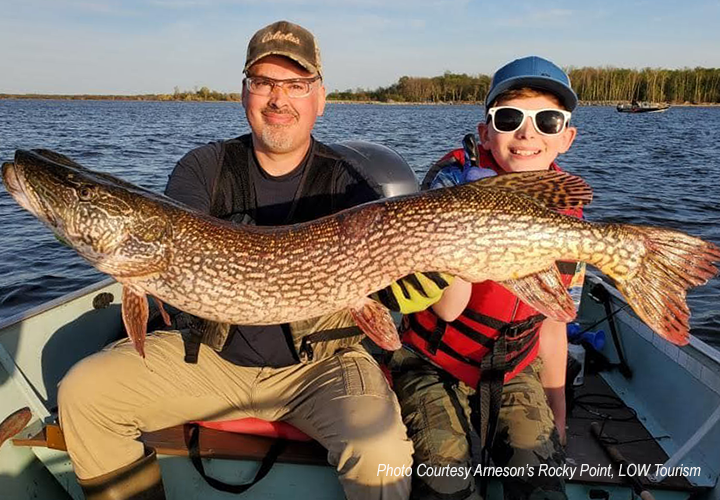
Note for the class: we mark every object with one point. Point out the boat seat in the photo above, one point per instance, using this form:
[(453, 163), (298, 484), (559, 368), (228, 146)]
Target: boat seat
[(259, 427), (232, 440)]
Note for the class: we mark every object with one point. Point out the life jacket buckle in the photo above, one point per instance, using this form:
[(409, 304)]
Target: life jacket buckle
[(306, 351), (514, 329)]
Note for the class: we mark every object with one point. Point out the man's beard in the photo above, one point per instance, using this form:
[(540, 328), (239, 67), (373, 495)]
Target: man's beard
[(277, 138)]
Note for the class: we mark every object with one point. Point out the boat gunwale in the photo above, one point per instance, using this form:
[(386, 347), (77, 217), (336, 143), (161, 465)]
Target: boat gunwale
[(695, 342), (52, 303)]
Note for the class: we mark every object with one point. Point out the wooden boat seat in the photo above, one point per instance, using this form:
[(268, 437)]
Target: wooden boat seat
[(214, 443)]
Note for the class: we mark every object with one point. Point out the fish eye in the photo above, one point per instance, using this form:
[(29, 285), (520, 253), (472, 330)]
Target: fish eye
[(86, 193)]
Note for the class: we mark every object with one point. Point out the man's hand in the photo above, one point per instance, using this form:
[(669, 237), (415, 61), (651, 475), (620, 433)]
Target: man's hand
[(415, 292)]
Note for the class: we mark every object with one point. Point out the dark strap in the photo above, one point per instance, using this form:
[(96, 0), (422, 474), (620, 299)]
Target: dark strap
[(473, 334), (436, 336), (199, 331), (232, 194), (513, 328), (426, 335), (192, 345), (489, 400), (484, 319), (233, 178), (306, 350), (192, 437), (518, 350), (517, 327)]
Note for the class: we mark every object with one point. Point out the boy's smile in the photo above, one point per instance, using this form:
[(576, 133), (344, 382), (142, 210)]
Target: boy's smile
[(526, 149)]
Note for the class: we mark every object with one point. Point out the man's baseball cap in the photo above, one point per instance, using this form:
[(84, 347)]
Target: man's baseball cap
[(284, 38), (536, 73)]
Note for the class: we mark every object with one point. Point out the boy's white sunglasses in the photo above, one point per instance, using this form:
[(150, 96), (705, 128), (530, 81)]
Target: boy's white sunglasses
[(506, 119)]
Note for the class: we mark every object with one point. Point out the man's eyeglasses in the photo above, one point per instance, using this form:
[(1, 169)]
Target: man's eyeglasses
[(506, 119), (295, 88)]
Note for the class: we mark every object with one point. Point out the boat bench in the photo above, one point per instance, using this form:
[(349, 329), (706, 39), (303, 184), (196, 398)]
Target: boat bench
[(213, 443)]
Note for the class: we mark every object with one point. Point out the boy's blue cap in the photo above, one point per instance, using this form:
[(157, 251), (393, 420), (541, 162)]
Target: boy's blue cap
[(533, 72)]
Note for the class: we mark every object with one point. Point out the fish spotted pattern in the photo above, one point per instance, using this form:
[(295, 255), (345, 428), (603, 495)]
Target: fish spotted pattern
[(503, 228)]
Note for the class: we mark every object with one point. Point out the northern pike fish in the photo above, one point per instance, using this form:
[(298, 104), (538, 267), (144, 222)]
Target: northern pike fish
[(504, 228)]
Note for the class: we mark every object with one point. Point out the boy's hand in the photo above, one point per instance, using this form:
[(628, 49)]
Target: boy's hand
[(415, 292)]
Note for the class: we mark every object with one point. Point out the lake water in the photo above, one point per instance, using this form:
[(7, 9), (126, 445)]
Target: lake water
[(659, 169)]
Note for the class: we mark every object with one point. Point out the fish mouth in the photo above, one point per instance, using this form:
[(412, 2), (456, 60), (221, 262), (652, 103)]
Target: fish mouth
[(15, 184)]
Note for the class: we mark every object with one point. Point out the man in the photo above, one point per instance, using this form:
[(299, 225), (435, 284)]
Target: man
[(313, 374)]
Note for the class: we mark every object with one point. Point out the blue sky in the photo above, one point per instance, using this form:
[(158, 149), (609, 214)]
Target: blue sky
[(131, 47)]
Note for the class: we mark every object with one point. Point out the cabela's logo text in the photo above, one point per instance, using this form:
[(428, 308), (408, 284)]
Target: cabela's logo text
[(279, 35)]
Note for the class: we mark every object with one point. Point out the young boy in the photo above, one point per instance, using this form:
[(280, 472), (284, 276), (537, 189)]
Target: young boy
[(528, 110)]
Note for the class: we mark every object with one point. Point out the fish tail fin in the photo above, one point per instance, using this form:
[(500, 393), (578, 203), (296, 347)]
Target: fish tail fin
[(657, 290)]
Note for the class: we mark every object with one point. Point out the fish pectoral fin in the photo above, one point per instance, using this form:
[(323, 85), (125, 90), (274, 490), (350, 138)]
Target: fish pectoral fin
[(163, 312), (135, 313), (545, 292), (375, 321)]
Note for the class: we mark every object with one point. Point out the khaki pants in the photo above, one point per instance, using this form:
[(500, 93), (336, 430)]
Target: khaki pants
[(342, 401)]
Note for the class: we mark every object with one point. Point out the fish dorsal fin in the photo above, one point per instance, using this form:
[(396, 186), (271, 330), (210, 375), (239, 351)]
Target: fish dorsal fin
[(545, 292), (553, 189)]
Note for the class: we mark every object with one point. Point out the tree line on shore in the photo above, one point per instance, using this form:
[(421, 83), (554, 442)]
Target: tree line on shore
[(593, 85), (699, 85), (201, 94)]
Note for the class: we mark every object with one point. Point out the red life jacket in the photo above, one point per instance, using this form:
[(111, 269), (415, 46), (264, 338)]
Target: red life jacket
[(460, 347)]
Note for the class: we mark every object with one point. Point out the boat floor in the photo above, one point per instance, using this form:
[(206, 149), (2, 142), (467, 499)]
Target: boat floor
[(595, 401), (628, 434)]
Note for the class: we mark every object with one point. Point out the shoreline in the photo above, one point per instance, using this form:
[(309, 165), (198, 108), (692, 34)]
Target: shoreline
[(159, 98)]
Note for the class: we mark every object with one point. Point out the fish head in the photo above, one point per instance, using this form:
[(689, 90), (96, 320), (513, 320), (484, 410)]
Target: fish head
[(113, 224)]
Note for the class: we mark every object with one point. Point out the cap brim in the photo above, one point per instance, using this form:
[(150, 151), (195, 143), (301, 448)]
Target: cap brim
[(302, 62), (565, 94)]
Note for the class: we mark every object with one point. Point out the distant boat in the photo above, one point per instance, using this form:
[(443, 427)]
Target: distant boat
[(643, 107)]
